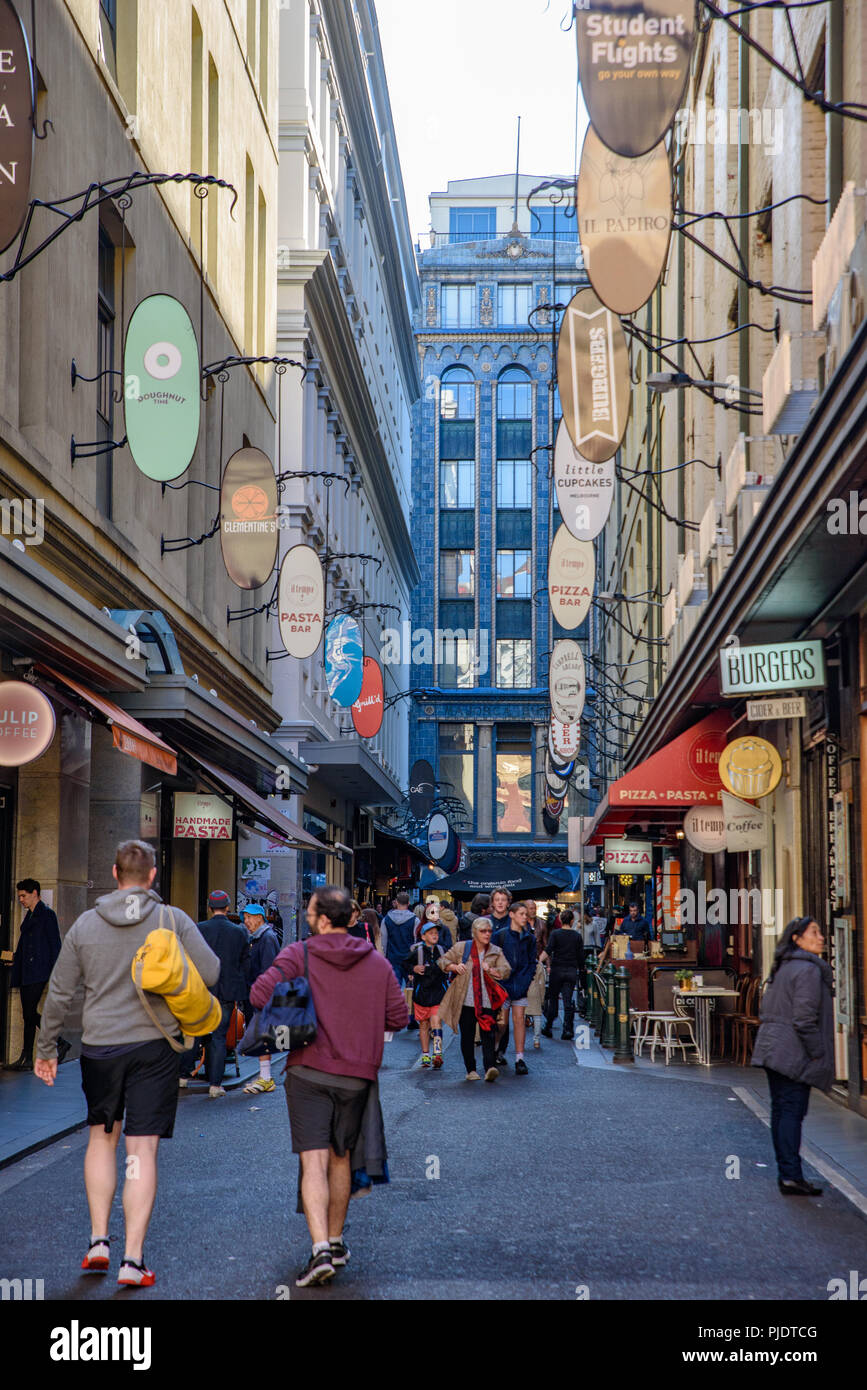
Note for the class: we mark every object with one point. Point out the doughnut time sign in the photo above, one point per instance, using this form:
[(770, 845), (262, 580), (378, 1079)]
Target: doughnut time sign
[(161, 388)]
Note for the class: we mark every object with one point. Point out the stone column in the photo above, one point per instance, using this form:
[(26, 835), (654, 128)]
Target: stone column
[(485, 781)]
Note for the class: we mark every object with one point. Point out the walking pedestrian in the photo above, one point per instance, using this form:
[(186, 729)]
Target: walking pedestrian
[(565, 954), (127, 1065), (429, 986), (399, 925), (501, 901), (264, 947), (518, 944), (795, 1043), (448, 928), (37, 950), (595, 935), (367, 928), (230, 943), (479, 907), (475, 995), (536, 996), (328, 1082), (429, 913)]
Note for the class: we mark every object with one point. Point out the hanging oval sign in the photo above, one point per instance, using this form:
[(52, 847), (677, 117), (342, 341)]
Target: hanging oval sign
[(750, 767), (301, 601), (556, 786), (17, 107), (554, 805), (27, 723), (633, 64), (564, 740), (571, 579), (248, 518), (567, 681), (440, 839), (369, 708), (550, 823), (593, 377), (624, 221), (705, 828), (584, 490), (422, 788), (162, 378), (344, 660), (452, 861)]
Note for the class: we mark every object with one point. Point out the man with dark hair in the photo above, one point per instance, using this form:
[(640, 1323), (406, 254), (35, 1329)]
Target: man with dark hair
[(231, 945), (565, 951), (518, 944), (398, 935), (635, 926), (328, 1082), (478, 908), (263, 952), (127, 1064), (37, 950)]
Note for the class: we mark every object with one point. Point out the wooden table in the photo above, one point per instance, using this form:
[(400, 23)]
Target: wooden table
[(704, 1001)]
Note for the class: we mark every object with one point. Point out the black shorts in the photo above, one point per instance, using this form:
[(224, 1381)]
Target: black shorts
[(323, 1116), (143, 1083)]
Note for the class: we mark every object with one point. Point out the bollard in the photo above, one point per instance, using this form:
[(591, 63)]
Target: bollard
[(609, 1005), (592, 1002), (622, 1048)]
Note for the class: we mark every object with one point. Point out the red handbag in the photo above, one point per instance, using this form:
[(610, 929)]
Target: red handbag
[(235, 1030)]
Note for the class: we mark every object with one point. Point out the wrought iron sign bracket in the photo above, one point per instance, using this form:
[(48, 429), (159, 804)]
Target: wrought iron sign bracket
[(353, 555), (93, 448), (330, 479), (237, 615), (214, 368), (185, 542), (46, 123)]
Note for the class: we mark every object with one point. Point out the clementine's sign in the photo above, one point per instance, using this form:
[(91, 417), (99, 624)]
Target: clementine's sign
[(26, 723), (248, 518)]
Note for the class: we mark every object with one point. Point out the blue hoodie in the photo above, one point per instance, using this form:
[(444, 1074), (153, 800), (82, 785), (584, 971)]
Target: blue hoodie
[(519, 948)]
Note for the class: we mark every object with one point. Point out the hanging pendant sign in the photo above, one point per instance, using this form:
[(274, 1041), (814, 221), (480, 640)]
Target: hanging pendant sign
[(571, 579), (551, 824), (422, 788), (17, 107), (557, 778), (369, 708), (633, 61), (344, 660), (301, 601), (564, 740), (624, 222), (440, 839), (750, 767), (746, 827), (705, 828), (567, 681), (584, 490), (593, 377), (26, 723), (162, 404), (248, 518)]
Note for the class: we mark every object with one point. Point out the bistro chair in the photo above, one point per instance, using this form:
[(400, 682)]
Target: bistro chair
[(724, 1016), (745, 1024), (666, 1034)]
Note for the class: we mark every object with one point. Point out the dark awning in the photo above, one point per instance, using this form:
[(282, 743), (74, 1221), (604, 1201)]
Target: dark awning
[(497, 871)]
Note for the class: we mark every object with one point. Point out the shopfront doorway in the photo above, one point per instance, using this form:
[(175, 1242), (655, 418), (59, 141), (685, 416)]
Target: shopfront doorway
[(8, 905)]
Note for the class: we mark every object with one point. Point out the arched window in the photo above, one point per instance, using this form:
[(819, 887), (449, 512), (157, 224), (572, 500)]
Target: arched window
[(457, 394), (514, 395)]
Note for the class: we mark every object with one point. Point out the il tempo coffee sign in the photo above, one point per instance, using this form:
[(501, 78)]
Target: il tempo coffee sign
[(26, 723), (248, 518), (633, 61), (567, 681), (162, 404), (624, 222), (571, 579), (17, 104), (593, 377), (301, 601), (584, 490), (705, 829)]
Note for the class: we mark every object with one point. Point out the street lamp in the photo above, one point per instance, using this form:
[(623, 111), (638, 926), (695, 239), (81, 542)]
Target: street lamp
[(661, 382)]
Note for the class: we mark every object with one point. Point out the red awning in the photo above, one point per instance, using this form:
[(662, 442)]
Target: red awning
[(682, 774), (128, 734)]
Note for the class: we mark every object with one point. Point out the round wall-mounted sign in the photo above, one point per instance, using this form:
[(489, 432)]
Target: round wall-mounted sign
[(554, 805), (301, 601), (633, 61), (750, 767), (564, 740), (26, 723), (556, 784), (369, 708), (452, 860), (162, 381), (705, 828), (17, 105), (571, 579), (422, 788), (567, 681), (593, 377), (440, 838), (584, 490), (624, 221), (248, 518), (550, 823), (344, 660)]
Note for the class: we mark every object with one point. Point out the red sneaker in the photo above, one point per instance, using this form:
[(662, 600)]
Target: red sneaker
[(96, 1259), (136, 1276), (437, 1060)]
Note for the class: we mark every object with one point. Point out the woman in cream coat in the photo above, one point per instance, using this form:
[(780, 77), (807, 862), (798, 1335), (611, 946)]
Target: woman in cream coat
[(460, 1009)]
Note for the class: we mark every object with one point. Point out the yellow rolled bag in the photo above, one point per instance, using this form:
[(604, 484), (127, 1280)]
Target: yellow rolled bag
[(161, 966)]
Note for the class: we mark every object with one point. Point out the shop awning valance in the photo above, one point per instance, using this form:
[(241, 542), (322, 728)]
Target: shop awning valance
[(129, 735), (261, 811), (682, 774)]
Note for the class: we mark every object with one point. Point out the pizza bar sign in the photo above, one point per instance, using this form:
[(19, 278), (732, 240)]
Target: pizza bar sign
[(202, 817), (628, 856)]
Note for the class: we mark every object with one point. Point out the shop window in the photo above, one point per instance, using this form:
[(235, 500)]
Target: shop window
[(514, 664), (514, 780), (457, 573), (457, 764), (514, 576)]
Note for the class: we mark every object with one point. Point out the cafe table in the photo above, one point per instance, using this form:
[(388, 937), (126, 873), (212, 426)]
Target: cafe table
[(704, 999)]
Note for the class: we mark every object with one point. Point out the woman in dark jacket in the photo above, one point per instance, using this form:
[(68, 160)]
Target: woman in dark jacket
[(795, 1043)]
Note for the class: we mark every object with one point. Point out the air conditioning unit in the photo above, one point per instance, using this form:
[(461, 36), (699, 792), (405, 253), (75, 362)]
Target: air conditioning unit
[(714, 532), (669, 612), (750, 464), (845, 312), (833, 257), (691, 581), (790, 386)]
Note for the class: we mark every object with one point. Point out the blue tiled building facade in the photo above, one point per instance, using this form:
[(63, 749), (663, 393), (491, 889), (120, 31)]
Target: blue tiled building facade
[(483, 515)]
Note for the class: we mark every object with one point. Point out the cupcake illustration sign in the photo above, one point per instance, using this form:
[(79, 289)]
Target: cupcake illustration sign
[(750, 767)]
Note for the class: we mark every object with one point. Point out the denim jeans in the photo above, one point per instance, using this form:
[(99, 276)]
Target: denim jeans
[(215, 1047), (789, 1101)]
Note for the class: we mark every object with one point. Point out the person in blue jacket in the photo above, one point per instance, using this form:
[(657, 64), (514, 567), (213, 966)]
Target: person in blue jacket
[(517, 941), (37, 950)]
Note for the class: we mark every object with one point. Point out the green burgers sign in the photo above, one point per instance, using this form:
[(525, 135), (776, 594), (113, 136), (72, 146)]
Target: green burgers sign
[(161, 388)]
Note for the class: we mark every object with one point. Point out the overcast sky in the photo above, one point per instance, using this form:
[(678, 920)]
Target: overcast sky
[(460, 73)]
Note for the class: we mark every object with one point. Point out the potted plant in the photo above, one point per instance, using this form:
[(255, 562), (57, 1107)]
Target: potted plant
[(684, 979)]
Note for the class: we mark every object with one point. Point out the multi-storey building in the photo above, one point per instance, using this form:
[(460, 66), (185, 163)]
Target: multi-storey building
[(483, 506)]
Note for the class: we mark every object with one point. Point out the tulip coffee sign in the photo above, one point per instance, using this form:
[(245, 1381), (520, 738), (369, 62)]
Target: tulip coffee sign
[(571, 579), (567, 681), (344, 660), (624, 222), (162, 404), (593, 377), (26, 723), (633, 62), (17, 104), (301, 601), (746, 827), (369, 708), (248, 518), (585, 490), (422, 789)]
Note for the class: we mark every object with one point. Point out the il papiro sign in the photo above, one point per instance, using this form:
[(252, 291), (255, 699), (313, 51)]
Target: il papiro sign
[(200, 816)]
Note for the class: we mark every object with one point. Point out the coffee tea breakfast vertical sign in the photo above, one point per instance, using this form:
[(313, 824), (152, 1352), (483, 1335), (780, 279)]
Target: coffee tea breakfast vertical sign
[(17, 105)]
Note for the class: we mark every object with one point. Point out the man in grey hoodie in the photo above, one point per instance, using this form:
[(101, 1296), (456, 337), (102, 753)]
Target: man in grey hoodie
[(127, 1065)]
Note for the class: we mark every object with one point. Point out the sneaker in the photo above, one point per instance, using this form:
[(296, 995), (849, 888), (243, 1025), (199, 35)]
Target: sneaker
[(319, 1270), (473, 1076), (183, 1082), (536, 1043), (521, 1067), (799, 1189), (259, 1086), (339, 1253), (491, 1074), (500, 1060), (425, 1059), (135, 1275), (437, 1060), (215, 1091), (96, 1259)]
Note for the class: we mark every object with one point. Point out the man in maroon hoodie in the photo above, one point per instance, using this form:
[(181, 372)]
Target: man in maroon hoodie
[(357, 999)]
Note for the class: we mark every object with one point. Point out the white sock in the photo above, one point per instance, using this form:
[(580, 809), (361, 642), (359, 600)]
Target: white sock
[(519, 1056), (265, 1068), (320, 1246)]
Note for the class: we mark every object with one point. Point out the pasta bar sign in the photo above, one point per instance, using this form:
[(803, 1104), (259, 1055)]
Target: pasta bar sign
[(199, 816)]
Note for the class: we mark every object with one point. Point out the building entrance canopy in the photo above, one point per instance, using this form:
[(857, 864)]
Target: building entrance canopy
[(261, 811)]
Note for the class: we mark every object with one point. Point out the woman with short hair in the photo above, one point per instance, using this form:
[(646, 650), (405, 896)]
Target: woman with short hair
[(475, 995)]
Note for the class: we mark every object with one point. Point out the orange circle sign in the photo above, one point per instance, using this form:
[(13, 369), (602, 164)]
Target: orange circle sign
[(26, 723)]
